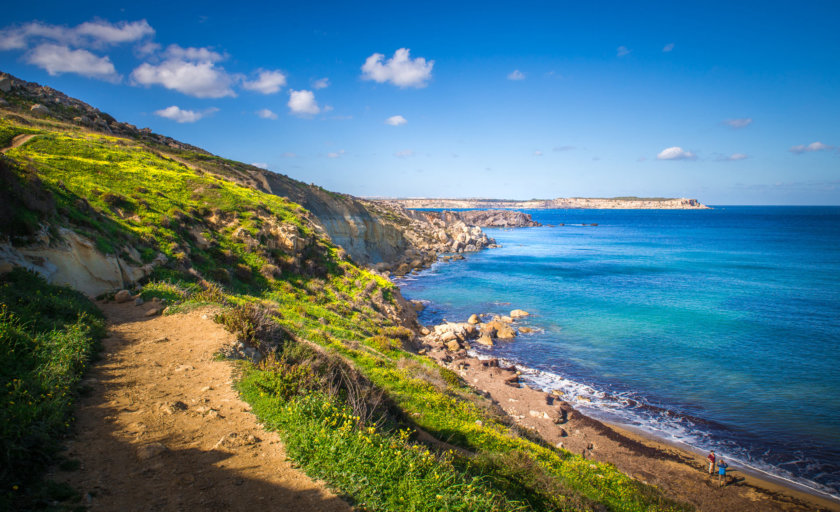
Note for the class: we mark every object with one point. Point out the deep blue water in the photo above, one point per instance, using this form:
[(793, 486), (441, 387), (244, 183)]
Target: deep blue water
[(717, 328)]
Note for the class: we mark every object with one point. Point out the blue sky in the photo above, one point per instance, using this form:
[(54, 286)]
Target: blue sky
[(727, 104)]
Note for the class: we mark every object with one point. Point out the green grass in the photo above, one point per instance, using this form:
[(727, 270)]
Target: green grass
[(48, 335)]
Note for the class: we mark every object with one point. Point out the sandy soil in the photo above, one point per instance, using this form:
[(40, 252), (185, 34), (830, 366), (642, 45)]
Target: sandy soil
[(18, 141), (681, 474), (162, 428)]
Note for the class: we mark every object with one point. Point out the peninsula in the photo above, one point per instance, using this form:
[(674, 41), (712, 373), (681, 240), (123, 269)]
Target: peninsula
[(596, 203)]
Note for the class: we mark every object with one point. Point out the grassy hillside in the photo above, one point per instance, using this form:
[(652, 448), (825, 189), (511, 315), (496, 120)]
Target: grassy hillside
[(339, 379)]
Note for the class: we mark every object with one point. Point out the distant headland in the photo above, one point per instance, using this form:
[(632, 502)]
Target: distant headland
[(613, 203)]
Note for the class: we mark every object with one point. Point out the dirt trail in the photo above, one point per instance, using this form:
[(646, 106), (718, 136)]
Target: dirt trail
[(18, 141), (162, 429)]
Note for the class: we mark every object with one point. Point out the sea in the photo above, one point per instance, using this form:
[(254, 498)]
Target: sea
[(717, 329)]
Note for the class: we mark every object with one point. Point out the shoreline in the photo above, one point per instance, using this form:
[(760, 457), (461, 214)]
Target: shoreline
[(676, 468)]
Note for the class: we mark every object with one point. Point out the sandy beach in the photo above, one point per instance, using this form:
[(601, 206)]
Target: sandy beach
[(680, 472)]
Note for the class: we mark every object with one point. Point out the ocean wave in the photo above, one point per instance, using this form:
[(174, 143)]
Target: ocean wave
[(631, 410)]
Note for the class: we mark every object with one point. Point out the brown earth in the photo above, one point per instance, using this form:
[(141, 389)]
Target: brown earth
[(163, 429), (18, 141), (680, 474)]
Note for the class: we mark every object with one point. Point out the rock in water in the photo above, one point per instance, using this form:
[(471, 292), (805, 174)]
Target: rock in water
[(519, 313), (473, 320), (486, 340)]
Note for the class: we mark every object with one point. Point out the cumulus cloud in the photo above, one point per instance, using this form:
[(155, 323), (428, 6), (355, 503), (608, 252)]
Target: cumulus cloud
[(741, 122), (675, 153), (621, 51), (396, 120), (199, 79), (321, 83), (266, 114), (335, 154), (57, 59), (405, 153), (180, 115), (174, 51), (88, 34), (668, 47), (261, 165), (809, 148), (267, 82), (302, 103), (400, 70), (123, 32), (516, 75)]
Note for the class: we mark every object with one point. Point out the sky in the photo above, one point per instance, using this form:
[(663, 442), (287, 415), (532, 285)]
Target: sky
[(728, 104)]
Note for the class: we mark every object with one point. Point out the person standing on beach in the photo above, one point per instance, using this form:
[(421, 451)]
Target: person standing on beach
[(711, 458), (722, 465)]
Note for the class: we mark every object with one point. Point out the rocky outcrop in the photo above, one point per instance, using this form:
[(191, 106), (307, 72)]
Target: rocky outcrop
[(490, 218), (73, 260), (615, 203)]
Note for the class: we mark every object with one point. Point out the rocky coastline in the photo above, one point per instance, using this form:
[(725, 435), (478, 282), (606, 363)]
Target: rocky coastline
[(678, 471), (615, 203)]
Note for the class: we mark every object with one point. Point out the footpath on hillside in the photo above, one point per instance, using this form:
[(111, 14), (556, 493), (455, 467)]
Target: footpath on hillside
[(162, 428)]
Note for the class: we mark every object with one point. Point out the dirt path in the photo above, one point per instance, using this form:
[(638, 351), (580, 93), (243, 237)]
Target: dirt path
[(18, 141), (162, 429)]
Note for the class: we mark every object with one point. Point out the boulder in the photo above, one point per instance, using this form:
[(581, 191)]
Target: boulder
[(5, 84), (122, 296), (498, 329), (506, 319), (485, 340), (519, 313), (453, 346), (39, 110), (525, 330), (474, 320)]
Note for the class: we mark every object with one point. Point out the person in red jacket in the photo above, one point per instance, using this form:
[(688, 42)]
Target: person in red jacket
[(711, 458)]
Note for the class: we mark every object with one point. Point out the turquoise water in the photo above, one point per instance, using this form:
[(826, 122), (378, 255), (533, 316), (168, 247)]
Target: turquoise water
[(718, 328)]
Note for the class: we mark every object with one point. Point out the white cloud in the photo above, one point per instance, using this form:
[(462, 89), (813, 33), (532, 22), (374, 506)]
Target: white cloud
[(400, 70), (734, 157), (675, 153), (57, 59), (88, 34), (668, 47), (267, 82), (516, 75), (302, 103), (266, 114), (396, 120), (335, 154), (180, 115), (741, 122), (261, 165), (621, 51), (405, 153), (289, 154), (538, 153), (123, 32), (321, 83), (814, 146), (199, 79), (175, 52), (563, 148)]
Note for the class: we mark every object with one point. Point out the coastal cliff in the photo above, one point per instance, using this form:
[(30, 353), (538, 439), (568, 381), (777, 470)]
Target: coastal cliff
[(615, 203)]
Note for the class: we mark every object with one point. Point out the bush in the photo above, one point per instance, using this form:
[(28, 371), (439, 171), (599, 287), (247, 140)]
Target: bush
[(252, 324)]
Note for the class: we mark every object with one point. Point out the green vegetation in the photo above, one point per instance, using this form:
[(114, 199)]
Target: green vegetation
[(47, 337), (337, 380)]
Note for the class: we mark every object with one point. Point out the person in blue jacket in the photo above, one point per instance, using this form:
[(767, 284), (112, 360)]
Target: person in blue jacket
[(722, 465)]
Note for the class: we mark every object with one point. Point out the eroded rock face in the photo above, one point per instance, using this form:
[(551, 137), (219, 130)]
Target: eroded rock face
[(73, 260)]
